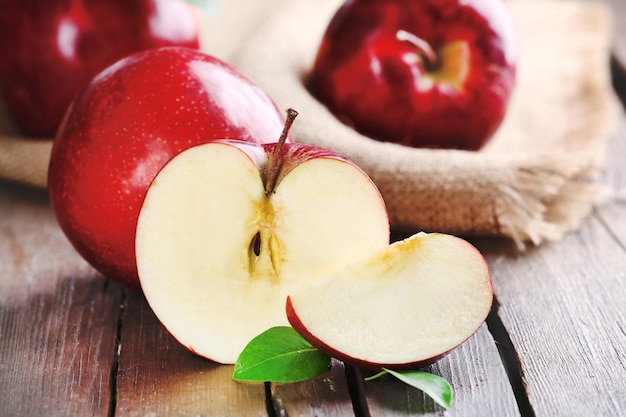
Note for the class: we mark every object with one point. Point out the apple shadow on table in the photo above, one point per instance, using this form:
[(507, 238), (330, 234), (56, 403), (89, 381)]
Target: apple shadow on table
[(155, 368)]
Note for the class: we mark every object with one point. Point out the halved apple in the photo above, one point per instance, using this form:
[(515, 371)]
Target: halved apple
[(228, 229), (403, 307)]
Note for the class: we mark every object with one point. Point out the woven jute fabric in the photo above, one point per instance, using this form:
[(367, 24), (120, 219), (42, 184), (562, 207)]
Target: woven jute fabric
[(534, 181)]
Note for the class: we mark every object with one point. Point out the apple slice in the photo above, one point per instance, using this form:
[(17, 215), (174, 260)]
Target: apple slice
[(228, 229), (403, 307)]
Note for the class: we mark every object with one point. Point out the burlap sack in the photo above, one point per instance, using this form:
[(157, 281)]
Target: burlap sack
[(535, 180), (22, 160)]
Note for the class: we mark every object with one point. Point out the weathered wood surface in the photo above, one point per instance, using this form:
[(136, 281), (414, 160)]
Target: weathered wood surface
[(474, 370), (328, 395), (564, 307), (158, 377), (73, 343), (58, 318)]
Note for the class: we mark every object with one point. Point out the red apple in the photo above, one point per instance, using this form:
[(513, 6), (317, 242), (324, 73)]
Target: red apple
[(228, 229), (128, 122), (403, 307), (53, 48), (428, 73)]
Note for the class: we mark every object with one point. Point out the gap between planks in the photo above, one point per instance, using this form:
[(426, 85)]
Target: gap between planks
[(510, 360), (115, 362)]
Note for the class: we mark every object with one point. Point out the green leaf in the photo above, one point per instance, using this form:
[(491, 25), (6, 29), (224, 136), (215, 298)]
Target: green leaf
[(279, 354), (433, 385)]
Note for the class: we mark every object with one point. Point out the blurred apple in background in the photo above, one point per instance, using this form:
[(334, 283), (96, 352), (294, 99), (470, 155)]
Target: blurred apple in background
[(429, 73), (51, 49), (129, 121)]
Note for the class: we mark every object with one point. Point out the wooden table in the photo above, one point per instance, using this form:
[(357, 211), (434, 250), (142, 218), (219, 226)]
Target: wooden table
[(73, 343)]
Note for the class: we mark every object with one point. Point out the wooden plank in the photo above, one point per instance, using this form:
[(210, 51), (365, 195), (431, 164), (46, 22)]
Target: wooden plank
[(158, 377), (58, 317), (613, 214), (327, 395), (478, 378), (564, 308)]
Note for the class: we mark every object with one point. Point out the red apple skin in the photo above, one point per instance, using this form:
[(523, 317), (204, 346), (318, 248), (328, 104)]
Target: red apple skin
[(299, 327), (51, 49), (289, 155), (128, 122), (381, 85), (293, 154)]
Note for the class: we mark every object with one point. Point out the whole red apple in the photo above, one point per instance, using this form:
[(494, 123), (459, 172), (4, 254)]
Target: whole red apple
[(129, 121), (51, 49), (428, 73)]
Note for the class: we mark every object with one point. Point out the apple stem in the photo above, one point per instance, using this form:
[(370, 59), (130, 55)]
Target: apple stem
[(426, 51), (275, 160)]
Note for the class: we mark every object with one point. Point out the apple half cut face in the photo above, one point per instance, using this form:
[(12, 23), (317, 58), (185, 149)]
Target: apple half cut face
[(403, 307), (217, 255)]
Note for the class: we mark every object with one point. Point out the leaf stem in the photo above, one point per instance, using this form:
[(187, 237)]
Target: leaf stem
[(381, 373)]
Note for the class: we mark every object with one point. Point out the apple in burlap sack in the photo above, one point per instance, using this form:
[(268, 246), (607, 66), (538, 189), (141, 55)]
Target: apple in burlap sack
[(430, 73)]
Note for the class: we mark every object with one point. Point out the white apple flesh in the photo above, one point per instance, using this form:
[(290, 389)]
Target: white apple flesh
[(217, 255), (403, 307)]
